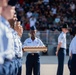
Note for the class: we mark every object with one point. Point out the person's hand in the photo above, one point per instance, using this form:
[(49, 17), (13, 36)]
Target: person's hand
[(20, 32), (70, 55), (17, 26), (56, 53)]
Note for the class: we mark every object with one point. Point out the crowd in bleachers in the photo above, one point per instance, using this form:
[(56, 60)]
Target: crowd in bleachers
[(47, 14)]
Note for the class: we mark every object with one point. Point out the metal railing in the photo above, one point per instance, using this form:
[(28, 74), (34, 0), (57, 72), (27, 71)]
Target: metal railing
[(49, 38)]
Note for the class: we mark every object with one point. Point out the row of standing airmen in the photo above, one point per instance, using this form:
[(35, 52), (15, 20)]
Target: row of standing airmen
[(10, 44), (61, 51)]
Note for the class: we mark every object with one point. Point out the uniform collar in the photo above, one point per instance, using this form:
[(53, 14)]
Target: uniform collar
[(64, 33), (34, 39)]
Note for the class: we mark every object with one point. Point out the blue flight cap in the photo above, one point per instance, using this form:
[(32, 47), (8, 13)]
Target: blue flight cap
[(33, 28), (65, 26)]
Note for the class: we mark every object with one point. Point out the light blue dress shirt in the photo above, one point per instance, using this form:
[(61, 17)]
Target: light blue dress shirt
[(7, 40), (17, 45), (18, 49), (1, 33), (1, 43), (72, 47)]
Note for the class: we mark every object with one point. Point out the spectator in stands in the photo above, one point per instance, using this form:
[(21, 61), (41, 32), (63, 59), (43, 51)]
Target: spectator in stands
[(57, 19), (54, 10), (17, 5), (32, 21), (27, 26), (65, 10), (29, 14), (35, 14), (46, 1), (72, 6)]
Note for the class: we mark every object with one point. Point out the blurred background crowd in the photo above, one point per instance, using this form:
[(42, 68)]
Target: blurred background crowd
[(46, 14)]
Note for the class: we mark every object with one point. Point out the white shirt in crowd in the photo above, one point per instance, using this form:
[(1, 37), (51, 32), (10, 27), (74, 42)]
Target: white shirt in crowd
[(29, 14), (17, 5), (62, 39), (72, 6), (54, 10), (46, 1), (20, 9), (57, 19), (72, 48), (32, 22)]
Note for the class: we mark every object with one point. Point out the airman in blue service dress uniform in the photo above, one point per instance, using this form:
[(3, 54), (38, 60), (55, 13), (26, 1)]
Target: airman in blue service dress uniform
[(2, 31), (33, 59), (7, 39), (8, 44), (17, 32), (72, 54), (20, 53), (61, 49)]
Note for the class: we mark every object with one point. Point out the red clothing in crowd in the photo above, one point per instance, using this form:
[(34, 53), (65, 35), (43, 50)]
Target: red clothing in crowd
[(21, 2), (27, 26)]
